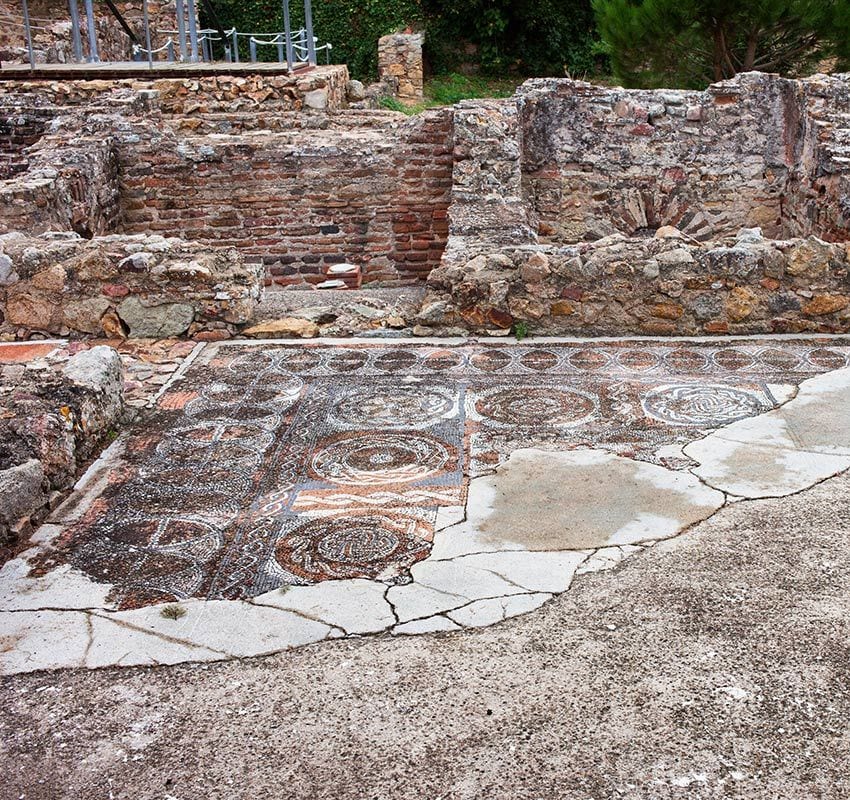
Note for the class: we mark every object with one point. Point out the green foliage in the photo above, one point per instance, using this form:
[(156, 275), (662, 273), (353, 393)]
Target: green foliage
[(691, 43), (533, 37), (353, 27), (172, 611), (520, 331)]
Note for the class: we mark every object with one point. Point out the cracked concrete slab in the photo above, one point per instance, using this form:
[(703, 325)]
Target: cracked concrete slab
[(802, 442), (576, 500), (356, 606)]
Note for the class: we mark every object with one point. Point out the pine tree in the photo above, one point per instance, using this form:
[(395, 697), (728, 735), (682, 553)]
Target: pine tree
[(694, 42)]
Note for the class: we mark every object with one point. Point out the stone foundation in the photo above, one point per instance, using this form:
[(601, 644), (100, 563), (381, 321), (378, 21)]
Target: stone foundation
[(660, 286), (117, 286), (54, 416)]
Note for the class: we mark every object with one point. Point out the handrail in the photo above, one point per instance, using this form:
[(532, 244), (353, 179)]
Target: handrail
[(299, 46)]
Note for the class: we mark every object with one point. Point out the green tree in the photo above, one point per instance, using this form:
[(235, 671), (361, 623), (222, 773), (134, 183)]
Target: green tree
[(694, 42), (531, 37)]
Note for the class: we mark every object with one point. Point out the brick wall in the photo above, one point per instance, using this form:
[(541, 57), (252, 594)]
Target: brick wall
[(71, 184), (303, 200), (18, 130)]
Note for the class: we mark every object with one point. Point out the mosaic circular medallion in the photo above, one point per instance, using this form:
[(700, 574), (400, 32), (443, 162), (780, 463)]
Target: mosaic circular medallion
[(441, 360), (346, 360), (638, 360), (299, 360), (253, 362), (707, 406), (589, 360), (361, 545), (776, 358), (401, 407), (686, 360), (535, 407), (733, 359), (378, 457), (273, 389), (202, 410)]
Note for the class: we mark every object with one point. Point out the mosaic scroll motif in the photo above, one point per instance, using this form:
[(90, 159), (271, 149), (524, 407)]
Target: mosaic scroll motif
[(273, 466)]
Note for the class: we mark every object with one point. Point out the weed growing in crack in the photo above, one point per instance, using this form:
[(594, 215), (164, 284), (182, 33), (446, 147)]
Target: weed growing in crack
[(173, 611), (521, 330)]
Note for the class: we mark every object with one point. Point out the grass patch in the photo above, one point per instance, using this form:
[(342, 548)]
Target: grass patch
[(446, 90)]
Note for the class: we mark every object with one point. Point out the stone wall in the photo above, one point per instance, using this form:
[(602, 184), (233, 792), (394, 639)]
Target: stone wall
[(53, 414), (588, 210), (269, 92), (665, 285), (743, 153), (117, 286), (51, 28), (70, 184), (300, 201), (400, 65), (19, 129)]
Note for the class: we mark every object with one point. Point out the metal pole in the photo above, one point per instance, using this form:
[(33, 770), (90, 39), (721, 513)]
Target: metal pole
[(235, 46), (76, 39), (287, 33), (93, 56), (181, 28), (308, 24), (147, 23), (29, 34), (193, 30), (252, 48), (280, 48)]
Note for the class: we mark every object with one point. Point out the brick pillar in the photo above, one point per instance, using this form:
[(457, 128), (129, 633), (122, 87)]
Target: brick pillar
[(400, 65)]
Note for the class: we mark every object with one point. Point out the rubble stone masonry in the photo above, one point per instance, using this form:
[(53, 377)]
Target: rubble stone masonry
[(570, 207), (400, 65)]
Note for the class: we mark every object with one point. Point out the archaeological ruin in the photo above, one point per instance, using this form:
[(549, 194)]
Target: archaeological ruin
[(161, 223), (568, 208)]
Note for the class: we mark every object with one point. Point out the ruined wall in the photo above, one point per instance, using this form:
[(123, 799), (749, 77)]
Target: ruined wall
[(19, 129), (71, 184), (622, 212), (758, 150), (598, 161), (819, 198), (116, 286), (204, 94), (300, 201), (664, 285), (400, 65)]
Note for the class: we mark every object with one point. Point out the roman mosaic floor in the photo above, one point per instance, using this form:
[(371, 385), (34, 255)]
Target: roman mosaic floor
[(278, 495)]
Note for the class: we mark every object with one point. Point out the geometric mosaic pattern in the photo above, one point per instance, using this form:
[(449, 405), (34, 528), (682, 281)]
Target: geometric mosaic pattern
[(277, 465)]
